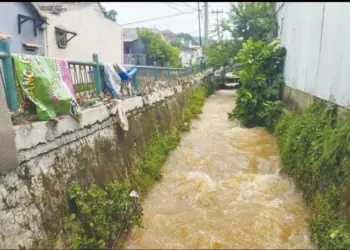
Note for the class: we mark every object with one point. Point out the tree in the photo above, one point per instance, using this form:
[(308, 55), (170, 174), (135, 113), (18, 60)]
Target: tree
[(253, 20), (177, 44), (160, 50), (221, 53)]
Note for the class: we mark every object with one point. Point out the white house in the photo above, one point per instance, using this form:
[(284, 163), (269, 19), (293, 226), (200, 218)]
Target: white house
[(76, 30), (190, 54)]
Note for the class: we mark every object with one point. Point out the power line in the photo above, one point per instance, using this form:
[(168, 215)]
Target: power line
[(189, 6), (156, 18), (173, 7)]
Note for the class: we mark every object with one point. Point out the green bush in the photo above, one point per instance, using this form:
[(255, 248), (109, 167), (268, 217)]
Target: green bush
[(258, 99), (314, 148), (150, 170), (208, 87), (98, 215)]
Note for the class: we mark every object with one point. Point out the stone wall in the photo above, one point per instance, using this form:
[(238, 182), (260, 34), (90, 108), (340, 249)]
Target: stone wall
[(56, 154)]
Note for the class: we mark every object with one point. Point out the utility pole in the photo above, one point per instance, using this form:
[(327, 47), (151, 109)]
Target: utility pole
[(206, 21), (199, 25), (217, 12)]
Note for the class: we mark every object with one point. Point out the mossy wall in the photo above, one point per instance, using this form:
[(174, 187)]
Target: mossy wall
[(34, 196)]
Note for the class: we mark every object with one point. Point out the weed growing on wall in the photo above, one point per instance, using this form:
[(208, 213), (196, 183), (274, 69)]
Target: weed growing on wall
[(208, 86), (258, 99), (194, 108), (99, 215), (315, 151), (150, 170)]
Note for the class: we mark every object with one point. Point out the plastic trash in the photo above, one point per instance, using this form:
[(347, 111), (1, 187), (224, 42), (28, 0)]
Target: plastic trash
[(133, 193)]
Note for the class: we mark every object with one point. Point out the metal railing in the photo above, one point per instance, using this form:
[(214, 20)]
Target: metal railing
[(88, 78)]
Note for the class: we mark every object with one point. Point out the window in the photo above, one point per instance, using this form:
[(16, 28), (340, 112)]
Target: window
[(61, 39)]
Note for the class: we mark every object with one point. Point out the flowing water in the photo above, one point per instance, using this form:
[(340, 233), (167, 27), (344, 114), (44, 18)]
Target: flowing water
[(221, 188)]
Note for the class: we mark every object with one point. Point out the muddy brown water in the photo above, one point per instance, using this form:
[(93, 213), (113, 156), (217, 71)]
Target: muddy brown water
[(221, 188)]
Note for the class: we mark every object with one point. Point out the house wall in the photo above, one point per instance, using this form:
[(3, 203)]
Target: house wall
[(9, 24), (96, 34), (316, 36), (188, 57), (137, 47)]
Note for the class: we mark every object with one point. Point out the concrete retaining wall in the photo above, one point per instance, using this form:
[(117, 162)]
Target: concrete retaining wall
[(56, 154)]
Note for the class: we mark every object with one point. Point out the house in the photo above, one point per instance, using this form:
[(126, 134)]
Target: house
[(170, 36), (76, 30), (134, 48), (23, 24), (190, 54)]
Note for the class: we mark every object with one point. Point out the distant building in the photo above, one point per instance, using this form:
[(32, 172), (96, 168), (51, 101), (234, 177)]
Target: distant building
[(134, 48), (190, 54), (79, 29)]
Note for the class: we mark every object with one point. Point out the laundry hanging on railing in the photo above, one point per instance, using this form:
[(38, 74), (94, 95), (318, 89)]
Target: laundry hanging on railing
[(125, 74), (47, 83), (112, 79)]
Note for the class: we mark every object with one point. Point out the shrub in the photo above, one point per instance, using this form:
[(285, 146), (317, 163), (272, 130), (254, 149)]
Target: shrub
[(98, 215), (258, 100), (315, 151)]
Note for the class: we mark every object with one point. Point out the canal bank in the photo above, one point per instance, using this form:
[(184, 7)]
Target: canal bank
[(221, 188)]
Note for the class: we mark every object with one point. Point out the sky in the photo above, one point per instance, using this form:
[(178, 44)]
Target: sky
[(129, 12)]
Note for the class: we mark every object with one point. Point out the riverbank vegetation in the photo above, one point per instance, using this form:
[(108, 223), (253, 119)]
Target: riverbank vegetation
[(254, 51), (101, 216), (314, 148)]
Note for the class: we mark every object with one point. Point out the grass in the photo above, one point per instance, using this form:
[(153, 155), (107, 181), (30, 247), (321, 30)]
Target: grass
[(149, 170), (314, 148)]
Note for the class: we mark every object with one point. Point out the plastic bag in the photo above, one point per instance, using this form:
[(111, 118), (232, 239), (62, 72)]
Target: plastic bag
[(44, 84)]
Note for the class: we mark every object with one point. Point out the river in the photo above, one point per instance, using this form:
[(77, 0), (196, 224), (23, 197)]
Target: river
[(221, 188)]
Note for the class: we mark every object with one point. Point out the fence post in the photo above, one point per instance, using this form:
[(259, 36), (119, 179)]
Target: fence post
[(134, 78), (155, 71), (169, 72), (10, 83), (97, 73)]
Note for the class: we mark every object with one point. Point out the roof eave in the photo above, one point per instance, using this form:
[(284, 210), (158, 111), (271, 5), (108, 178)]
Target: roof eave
[(37, 9)]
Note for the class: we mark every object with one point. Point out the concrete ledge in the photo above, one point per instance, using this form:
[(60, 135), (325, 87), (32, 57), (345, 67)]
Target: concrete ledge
[(295, 99), (41, 137), (299, 101)]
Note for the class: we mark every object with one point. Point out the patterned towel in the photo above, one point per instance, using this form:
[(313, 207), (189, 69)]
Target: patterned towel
[(112, 79)]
